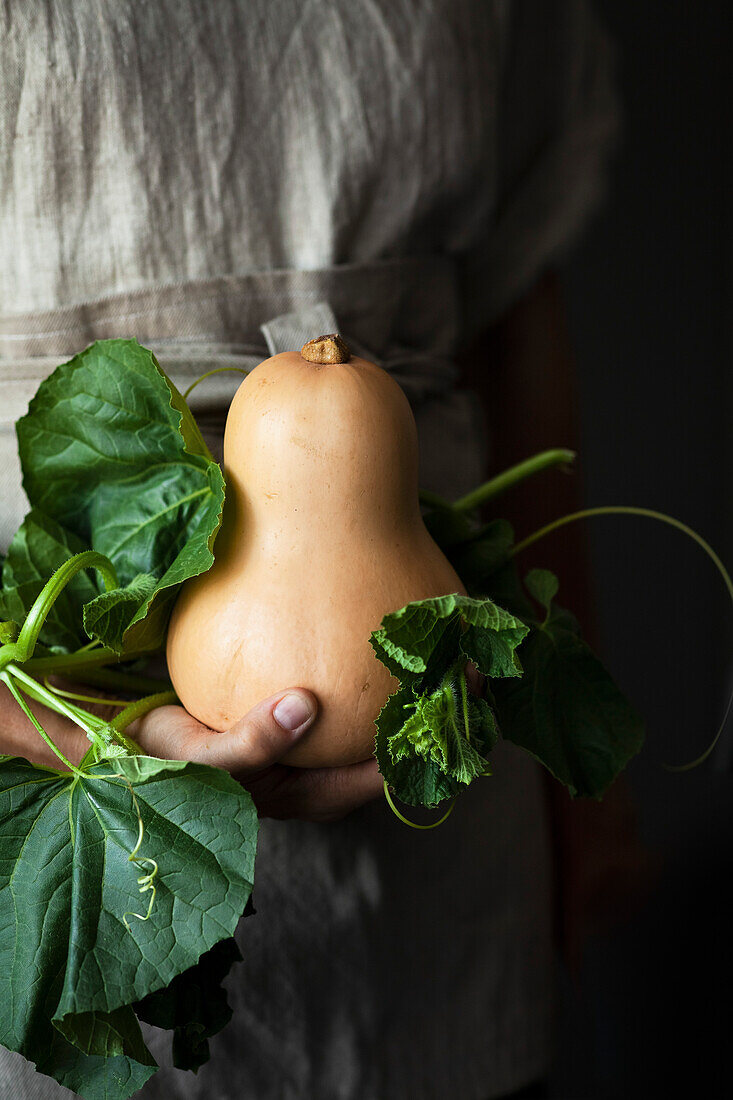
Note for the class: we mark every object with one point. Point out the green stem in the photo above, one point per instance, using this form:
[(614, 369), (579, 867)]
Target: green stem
[(142, 707), (7, 679), (53, 588), (94, 752), (91, 724), (219, 370), (81, 661), (406, 820), (78, 698), (464, 702), (506, 480), (662, 517), (123, 681), (50, 699), (433, 500), (21, 650)]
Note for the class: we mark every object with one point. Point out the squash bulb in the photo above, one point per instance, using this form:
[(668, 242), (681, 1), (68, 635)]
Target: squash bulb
[(321, 537)]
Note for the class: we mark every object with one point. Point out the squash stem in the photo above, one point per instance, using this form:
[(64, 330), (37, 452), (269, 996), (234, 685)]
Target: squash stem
[(464, 705), (49, 698), (119, 680), (511, 477), (142, 707), (82, 661), (21, 650), (433, 500), (77, 698)]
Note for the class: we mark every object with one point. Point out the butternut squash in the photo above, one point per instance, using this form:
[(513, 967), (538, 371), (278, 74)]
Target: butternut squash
[(321, 537)]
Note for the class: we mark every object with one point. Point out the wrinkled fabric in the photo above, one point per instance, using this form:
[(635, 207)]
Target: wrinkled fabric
[(161, 142), (185, 173)]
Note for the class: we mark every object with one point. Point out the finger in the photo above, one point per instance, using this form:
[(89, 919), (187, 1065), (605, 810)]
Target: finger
[(317, 794), (255, 742)]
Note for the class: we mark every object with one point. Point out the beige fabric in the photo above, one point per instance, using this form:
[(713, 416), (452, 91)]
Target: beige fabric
[(184, 172)]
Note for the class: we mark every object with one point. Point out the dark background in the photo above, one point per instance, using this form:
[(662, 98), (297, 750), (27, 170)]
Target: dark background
[(649, 294)]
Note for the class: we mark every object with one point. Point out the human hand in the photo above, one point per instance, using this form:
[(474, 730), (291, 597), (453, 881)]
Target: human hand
[(250, 750)]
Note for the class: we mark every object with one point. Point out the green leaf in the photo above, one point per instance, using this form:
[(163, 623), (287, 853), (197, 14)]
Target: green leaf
[(407, 638), (109, 412), (39, 547), (478, 559), (65, 847), (194, 1006), (107, 1034), (475, 551), (416, 780), (435, 730), (542, 585), (481, 555), (492, 638), (449, 527), (110, 452), (567, 711), (565, 708), (147, 628), (108, 615), (432, 737), (506, 589), (484, 728)]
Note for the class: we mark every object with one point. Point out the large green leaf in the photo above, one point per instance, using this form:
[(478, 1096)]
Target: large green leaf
[(566, 710), (543, 586), (110, 452), (73, 956), (111, 413)]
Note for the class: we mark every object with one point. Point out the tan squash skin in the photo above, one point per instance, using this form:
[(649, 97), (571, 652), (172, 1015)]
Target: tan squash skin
[(321, 537)]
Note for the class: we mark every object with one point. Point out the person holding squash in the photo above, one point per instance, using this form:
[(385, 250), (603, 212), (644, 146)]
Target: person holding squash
[(196, 176)]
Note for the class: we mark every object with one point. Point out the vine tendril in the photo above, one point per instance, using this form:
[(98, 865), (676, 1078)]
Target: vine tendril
[(413, 824), (146, 882), (661, 517), (218, 370)]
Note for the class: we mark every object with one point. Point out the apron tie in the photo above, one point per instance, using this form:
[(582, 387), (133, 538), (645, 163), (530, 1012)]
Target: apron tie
[(400, 313), (420, 374)]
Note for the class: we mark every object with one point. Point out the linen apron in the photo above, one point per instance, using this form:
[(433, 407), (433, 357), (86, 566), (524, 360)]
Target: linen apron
[(381, 963)]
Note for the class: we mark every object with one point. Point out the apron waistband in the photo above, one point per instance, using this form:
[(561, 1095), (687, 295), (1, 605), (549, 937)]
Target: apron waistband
[(402, 313)]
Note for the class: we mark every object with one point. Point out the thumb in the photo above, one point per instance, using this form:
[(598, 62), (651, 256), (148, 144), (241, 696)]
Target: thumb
[(255, 742)]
